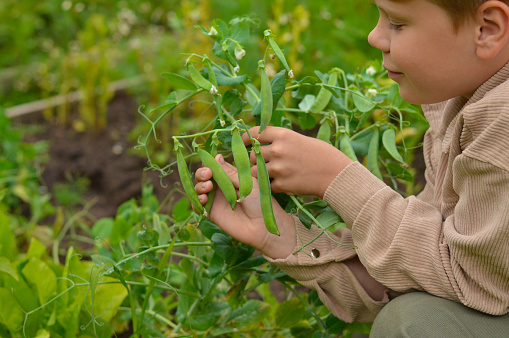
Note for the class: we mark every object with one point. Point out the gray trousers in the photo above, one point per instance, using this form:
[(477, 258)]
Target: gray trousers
[(419, 314)]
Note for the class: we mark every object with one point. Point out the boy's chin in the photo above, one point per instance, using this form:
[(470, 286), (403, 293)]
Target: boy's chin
[(416, 98)]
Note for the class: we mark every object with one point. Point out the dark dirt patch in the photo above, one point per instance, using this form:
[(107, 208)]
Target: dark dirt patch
[(104, 157)]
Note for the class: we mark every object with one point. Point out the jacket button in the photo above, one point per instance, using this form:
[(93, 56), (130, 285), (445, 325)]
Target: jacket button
[(315, 253)]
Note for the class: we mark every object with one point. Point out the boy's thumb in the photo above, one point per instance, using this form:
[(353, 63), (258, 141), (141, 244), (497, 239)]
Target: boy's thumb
[(228, 168)]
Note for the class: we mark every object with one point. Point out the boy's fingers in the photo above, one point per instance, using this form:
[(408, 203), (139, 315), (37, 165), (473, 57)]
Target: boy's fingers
[(266, 136), (254, 172), (266, 152), (203, 174), (203, 187)]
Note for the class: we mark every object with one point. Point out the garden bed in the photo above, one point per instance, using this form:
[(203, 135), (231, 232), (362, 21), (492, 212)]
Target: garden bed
[(106, 158)]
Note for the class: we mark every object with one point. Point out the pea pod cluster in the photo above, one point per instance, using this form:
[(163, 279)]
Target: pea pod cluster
[(219, 175), (265, 192), (241, 158)]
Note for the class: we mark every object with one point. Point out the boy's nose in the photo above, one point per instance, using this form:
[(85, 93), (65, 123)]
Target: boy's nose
[(378, 40)]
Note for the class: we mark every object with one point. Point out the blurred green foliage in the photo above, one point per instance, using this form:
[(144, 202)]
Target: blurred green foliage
[(50, 46)]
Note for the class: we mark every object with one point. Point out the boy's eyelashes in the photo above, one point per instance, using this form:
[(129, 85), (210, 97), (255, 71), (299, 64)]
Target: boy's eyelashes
[(395, 26)]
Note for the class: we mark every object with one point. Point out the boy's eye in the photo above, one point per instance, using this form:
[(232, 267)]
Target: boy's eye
[(395, 26)]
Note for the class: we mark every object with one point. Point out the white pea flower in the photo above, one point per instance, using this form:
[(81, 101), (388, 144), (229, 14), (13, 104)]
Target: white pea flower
[(237, 68), (213, 90), (372, 92), (239, 53), (371, 71), (290, 74), (213, 31), (222, 122), (66, 5)]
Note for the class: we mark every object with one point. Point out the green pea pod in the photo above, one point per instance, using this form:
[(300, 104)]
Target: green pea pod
[(241, 157), (198, 78), (266, 100), (324, 95), (345, 145), (277, 51), (210, 195), (324, 133), (265, 192), (187, 182), (389, 142), (373, 154), (219, 175)]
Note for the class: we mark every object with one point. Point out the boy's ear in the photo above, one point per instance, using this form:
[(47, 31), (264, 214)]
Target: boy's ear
[(492, 19)]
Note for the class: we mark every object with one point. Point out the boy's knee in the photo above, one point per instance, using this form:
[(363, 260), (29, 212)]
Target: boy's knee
[(419, 314)]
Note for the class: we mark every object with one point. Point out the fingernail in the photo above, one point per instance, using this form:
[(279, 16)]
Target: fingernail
[(221, 159), (202, 174), (203, 184)]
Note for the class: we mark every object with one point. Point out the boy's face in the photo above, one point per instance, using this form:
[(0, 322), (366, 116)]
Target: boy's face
[(424, 54)]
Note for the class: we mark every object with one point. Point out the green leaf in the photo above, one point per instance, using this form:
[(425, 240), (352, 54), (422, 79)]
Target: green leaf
[(102, 228), (389, 142), (395, 169), (162, 229), (107, 298), (307, 102), (307, 121), (252, 312), (8, 268), (170, 102), (316, 205), (119, 231), (334, 325), (223, 246), (277, 85), (394, 97), (181, 210), (225, 80), (328, 218), (36, 249), (289, 313), (100, 260), (209, 315), (180, 82), (10, 313), (304, 218), (38, 273), (362, 103), (208, 229), (7, 242)]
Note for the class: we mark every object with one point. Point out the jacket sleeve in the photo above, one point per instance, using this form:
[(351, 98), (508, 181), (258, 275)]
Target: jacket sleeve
[(406, 244), (320, 266)]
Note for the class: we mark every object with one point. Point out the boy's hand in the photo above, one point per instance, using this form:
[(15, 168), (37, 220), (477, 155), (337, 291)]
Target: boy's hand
[(298, 164), (245, 222)]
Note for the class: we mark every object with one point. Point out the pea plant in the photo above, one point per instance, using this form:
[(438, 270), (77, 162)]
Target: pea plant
[(361, 114)]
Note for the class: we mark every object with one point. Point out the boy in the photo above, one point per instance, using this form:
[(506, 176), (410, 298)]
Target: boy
[(441, 258)]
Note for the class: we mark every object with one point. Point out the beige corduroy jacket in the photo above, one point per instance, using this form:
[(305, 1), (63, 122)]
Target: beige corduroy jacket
[(452, 240)]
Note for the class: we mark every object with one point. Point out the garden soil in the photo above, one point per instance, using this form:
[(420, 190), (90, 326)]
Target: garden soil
[(106, 158)]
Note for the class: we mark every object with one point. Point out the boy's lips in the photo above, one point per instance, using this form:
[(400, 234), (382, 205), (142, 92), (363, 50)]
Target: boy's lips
[(392, 74)]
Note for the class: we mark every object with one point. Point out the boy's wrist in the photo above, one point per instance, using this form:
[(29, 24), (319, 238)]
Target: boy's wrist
[(282, 246)]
